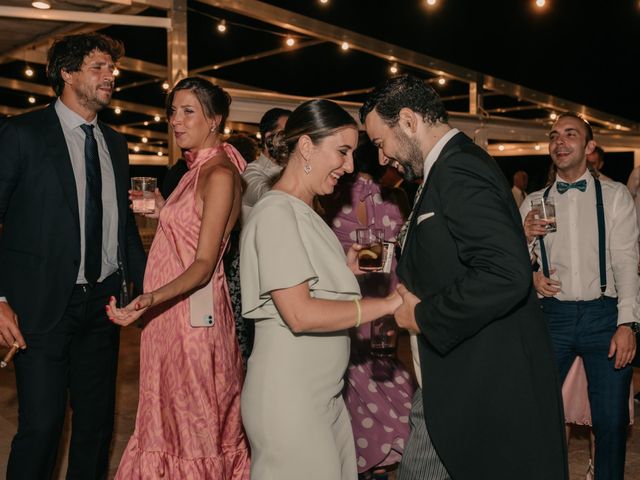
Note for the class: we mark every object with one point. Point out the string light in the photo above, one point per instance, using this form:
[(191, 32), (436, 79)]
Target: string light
[(117, 110), (136, 148), (222, 26), (501, 147), (536, 147), (165, 85), (116, 72), (393, 68), (159, 154), (290, 41), (442, 81), (345, 46), (42, 5), (32, 99), (553, 115), (28, 71), (144, 139), (540, 3), (145, 123), (156, 118), (227, 130), (259, 136)]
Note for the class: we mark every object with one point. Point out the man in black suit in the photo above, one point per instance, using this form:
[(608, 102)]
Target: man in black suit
[(490, 394), (69, 243)]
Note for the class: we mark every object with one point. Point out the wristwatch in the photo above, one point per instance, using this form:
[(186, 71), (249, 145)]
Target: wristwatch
[(634, 326)]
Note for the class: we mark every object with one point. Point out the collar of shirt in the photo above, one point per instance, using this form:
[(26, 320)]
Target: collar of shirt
[(71, 119), (433, 155)]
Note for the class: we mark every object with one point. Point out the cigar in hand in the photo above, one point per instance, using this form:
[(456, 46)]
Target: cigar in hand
[(10, 354)]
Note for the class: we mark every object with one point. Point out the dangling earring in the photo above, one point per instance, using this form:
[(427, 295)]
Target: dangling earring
[(213, 127), (307, 167)]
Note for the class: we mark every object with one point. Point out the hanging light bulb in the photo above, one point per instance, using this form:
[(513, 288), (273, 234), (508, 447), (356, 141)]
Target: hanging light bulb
[(156, 118), (159, 154), (345, 46), (227, 130), (116, 72), (32, 99), (259, 136), (442, 81), (144, 139), (42, 5), (553, 115), (536, 147), (28, 71), (501, 147), (540, 3), (290, 41), (145, 123), (393, 68), (431, 3), (117, 110), (324, 2), (136, 148), (165, 85), (222, 26)]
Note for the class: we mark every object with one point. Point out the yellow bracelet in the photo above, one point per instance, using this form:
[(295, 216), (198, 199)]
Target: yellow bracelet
[(359, 314)]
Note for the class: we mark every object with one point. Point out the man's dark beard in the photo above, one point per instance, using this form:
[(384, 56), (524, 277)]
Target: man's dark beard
[(411, 156), (409, 173)]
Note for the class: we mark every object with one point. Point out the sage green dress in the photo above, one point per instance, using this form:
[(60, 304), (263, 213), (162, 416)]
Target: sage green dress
[(292, 406)]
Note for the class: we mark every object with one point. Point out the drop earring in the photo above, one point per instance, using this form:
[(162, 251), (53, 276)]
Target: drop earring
[(213, 127), (307, 167)]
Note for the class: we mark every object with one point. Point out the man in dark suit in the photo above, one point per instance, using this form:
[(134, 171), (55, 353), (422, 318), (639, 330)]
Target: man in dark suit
[(69, 243), (490, 395)]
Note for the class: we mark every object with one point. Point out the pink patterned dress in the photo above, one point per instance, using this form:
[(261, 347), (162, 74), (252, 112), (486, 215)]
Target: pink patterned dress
[(188, 424)]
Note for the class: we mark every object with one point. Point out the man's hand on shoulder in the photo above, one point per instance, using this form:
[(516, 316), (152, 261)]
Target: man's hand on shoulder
[(405, 314), (9, 331)]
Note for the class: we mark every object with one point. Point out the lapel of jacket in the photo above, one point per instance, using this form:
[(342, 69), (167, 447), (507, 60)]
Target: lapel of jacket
[(58, 151), (448, 149)]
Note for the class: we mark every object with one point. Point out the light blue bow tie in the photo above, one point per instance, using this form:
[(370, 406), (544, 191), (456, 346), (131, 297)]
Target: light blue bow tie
[(564, 186)]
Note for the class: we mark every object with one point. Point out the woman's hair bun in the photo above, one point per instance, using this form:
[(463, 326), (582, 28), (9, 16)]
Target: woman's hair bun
[(277, 147)]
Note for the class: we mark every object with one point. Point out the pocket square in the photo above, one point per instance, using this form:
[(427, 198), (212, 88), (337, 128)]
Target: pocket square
[(424, 216)]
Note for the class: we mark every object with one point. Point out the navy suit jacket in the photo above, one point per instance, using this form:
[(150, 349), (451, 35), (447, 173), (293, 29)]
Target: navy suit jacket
[(40, 244)]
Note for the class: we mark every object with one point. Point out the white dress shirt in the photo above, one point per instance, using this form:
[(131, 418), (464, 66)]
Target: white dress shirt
[(573, 249), (74, 136), (432, 156), (259, 176)]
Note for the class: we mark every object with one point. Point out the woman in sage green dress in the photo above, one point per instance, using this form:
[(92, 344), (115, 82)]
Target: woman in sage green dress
[(299, 288)]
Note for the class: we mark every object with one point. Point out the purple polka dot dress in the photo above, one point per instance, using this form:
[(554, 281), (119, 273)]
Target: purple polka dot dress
[(378, 391)]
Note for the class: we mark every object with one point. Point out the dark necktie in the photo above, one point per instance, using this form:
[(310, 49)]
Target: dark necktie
[(93, 208), (564, 186), (402, 234)]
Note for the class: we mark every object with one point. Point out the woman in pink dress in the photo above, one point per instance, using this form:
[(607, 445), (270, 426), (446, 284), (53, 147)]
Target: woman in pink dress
[(188, 424)]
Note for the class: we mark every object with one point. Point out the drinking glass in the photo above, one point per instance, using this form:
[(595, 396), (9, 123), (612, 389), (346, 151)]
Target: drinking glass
[(371, 255), (384, 336), (143, 194), (546, 210)]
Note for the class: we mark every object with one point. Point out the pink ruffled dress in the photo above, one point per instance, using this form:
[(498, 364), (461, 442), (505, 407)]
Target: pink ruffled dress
[(188, 424)]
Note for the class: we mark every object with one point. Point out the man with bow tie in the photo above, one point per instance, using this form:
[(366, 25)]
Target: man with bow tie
[(588, 282)]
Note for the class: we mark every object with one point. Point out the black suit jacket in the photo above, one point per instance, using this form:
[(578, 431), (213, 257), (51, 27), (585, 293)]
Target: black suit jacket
[(491, 394), (40, 245)]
